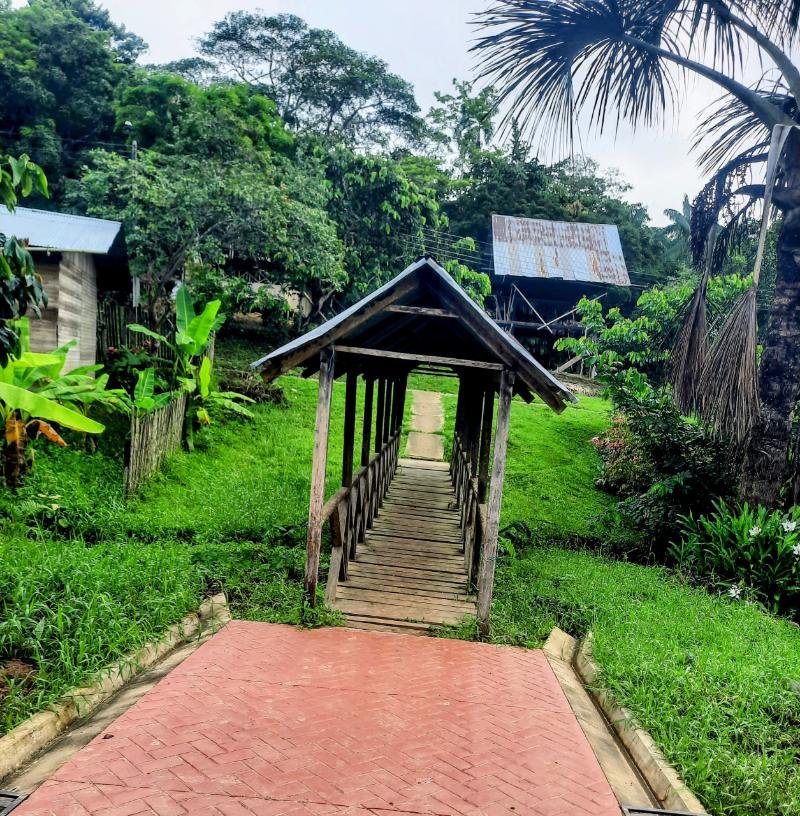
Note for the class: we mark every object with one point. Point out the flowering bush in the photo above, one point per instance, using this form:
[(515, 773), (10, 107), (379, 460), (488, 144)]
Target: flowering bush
[(752, 553)]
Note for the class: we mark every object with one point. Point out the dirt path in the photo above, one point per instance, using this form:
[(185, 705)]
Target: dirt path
[(425, 440)]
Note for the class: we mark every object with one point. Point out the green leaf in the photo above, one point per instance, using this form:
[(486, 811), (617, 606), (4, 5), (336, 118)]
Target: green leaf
[(201, 326), (40, 407), (184, 310), (204, 377), (139, 329), (145, 386)]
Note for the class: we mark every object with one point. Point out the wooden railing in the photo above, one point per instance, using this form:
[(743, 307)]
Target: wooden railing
[(473, 512), (352, 509)]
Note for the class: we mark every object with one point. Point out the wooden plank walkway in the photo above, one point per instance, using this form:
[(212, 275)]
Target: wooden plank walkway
[(409, 573)]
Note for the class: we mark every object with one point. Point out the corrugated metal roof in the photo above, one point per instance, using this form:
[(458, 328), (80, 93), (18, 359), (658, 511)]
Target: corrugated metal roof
[(58, 231), (558, 250)]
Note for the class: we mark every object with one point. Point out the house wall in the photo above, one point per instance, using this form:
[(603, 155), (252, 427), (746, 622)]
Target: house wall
[(71, 313), (77, 311), (44, 332)]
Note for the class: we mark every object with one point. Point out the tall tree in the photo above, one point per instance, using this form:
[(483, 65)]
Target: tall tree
[(61, 60), (623, 60), (319, 83)]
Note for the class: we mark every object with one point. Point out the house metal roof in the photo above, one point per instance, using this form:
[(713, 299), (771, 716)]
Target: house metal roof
[(58, 231), (558, 250), (425, 278)]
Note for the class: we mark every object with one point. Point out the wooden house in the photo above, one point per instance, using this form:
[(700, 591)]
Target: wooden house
[(69, 251)]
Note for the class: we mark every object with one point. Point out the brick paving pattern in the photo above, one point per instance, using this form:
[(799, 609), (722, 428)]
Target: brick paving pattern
[(267, 720)]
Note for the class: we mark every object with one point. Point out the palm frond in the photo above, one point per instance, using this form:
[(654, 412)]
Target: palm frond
[(689, 352), (779, 18), (730, 127), (714, 204), (728, 401), (554, 59)]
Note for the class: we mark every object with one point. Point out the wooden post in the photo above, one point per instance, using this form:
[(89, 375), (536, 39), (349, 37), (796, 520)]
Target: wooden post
[(401, 402), (486, 443), (472, 425), (351, 392), (379, 414), (366, 437), (317, 500), (489, 554), (387, 410)]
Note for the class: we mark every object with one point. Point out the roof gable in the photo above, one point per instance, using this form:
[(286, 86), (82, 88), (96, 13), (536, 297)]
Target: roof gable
[(422, 313)]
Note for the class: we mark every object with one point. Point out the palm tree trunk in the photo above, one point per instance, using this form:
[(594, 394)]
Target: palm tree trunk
[(765, 467)]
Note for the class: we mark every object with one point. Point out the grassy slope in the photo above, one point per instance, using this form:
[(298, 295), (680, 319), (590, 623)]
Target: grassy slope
[(709, 678)]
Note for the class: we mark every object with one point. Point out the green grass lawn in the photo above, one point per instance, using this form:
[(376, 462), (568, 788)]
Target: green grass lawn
[(85, 578)]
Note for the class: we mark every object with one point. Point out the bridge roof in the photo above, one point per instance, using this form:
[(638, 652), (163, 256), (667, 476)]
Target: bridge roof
[(421, 317)]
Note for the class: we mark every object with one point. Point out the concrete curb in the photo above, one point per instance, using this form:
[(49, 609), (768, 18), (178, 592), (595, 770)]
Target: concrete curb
[(670, 790), (22, 743)]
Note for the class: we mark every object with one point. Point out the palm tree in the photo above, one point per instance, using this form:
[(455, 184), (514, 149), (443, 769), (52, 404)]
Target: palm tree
[(623, 61), (679, 231)]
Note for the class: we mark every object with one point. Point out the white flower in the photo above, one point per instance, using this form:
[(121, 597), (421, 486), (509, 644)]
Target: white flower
[(754, 531), (735, 592), (796, 550), (789, 526)]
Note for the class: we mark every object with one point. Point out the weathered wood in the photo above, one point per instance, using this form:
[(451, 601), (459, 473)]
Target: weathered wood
[(351, 393), (487, 421), (379, 413), (320, 460), (154, 435), (489, 554), (366, 439), (455, 362), (422, 311), (387, 410), (274, 368)]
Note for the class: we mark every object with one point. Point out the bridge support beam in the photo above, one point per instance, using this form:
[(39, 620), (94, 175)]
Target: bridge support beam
[(317, 500), (489, 553)]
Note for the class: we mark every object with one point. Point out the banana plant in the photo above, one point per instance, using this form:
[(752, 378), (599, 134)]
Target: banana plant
[(26, 413), (202, 397), (192, 375), (144, 394), (37, 398), (192, 333)]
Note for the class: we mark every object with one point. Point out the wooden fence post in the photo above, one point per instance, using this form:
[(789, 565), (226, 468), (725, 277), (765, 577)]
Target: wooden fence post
[(379, 414), (317, 500), (489, 554)]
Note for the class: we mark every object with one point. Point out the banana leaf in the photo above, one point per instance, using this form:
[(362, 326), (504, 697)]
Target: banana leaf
[(37, 406)]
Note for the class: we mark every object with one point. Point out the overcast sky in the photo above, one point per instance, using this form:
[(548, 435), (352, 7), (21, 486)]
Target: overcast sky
[(427, 42)]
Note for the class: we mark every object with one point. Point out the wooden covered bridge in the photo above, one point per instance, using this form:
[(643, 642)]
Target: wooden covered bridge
[(413, 543)]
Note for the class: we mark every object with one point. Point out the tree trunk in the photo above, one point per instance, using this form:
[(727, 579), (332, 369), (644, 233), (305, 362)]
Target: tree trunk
[(766, 459)]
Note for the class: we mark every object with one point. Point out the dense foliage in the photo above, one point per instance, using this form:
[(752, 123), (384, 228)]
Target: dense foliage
[(752, 553), (278, 156)]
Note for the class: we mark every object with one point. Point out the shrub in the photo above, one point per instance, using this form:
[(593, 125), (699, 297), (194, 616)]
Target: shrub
[(661, 464), (749, 552)]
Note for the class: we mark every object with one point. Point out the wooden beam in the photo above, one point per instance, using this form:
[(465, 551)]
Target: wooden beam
[(455, 362), (350, 394), (491, 534), (423, 311), (317, 500), (379, 412), (366, 437), (297, 356)]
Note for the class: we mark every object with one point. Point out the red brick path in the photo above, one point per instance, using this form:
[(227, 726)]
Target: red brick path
[(272, 721)]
